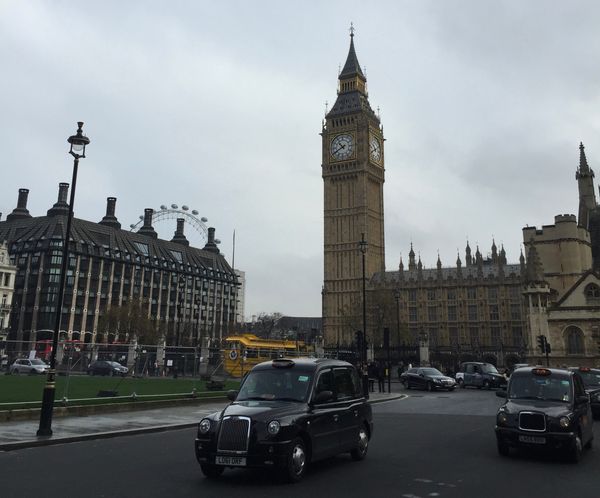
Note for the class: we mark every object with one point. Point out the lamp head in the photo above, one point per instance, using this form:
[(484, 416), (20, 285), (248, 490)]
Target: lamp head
[(78, 142)]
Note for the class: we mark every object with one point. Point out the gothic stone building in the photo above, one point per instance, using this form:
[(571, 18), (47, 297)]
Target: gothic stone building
[(353, 176), (487, 309), (469, 312), (190, 293), (563, 289)]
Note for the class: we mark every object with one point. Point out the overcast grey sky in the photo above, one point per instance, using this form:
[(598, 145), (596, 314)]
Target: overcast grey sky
[(218, 105)]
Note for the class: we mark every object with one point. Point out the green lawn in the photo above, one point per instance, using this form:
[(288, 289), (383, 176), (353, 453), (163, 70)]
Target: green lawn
[(22, 388)]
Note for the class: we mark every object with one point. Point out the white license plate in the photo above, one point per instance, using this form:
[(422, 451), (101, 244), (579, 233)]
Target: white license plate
[(532, 439), (231, 461)]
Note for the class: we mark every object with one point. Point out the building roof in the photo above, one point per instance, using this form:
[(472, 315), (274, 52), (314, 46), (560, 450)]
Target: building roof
[(352, 67), (95, 239), (448, 274)]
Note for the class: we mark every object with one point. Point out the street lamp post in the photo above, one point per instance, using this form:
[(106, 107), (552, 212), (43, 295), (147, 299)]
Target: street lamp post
[(78, 143), (363, 245), (397, 297)]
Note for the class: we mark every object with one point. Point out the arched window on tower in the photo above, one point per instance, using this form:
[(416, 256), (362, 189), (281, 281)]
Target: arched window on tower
[(574, 341)]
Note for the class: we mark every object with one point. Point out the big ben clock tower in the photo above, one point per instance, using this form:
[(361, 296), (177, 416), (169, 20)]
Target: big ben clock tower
[(353, 176)]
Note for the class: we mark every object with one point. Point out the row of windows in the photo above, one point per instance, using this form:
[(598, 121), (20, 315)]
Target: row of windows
[(472, 313), (471, 293)]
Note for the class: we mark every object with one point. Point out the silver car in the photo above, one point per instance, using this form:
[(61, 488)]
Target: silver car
[(25, 366)]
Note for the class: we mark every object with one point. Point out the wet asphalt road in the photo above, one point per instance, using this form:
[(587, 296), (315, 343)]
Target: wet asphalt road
[(428, 445)]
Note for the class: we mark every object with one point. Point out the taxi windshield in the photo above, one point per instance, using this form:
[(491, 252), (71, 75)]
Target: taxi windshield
[(542, 388), (489, 368), (276, 384), (590, 378)]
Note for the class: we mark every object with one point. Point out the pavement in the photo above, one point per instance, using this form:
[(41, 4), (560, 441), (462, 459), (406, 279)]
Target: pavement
[(22, 434)]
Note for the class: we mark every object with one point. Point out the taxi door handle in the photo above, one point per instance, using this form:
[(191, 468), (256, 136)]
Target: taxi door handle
[(335, 418)]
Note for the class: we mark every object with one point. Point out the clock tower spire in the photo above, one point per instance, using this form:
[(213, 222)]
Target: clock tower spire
[(353, 176)]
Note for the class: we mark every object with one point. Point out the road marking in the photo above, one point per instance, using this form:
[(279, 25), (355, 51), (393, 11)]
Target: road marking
[(423, 480)]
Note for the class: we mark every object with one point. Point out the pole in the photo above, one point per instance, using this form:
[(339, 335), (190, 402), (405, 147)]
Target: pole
[(389, 363), (45, 428), (398, 321), (364, 306)]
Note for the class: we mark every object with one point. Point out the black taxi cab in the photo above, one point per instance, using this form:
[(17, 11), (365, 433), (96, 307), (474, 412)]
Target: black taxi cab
[(545, 408), (591, 381), (288, 413)]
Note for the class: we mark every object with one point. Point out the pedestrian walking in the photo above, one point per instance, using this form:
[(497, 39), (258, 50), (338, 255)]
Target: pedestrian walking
[(381, 377), (372, 373)]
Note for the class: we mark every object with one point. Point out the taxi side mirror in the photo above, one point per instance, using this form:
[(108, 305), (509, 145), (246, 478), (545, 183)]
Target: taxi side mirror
[(501, 394), (231, 395), (323, 397)]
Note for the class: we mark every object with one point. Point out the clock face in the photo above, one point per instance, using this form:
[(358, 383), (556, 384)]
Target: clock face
[(375, 149), (342, 147)]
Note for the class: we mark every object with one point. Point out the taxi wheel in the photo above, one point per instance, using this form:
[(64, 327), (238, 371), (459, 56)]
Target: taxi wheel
[(429, 386), (362, 447), (486, 384), (461, 383), (576, 450), (211, 471), (503, 449), (296, 461)]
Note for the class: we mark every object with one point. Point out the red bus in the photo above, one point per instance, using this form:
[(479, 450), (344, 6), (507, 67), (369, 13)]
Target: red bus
[(43, 348)]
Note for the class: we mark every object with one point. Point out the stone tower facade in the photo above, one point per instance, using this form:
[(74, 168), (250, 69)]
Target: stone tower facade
[(353, 176)]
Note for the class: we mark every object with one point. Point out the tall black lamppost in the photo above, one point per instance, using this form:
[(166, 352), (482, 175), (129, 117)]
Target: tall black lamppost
[(180, 311), (78, 143), (397, 297), (363, 245)]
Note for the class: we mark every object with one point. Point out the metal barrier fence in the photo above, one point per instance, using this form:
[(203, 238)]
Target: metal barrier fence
[(140, 359)]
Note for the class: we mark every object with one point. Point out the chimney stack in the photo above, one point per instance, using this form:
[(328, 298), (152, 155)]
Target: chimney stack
[(211, 245), (20, 211), (110, 219), (61, 207), (179, 237), (147, 229)]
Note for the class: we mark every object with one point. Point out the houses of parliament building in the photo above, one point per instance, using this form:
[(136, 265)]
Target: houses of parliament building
[(480, 308)]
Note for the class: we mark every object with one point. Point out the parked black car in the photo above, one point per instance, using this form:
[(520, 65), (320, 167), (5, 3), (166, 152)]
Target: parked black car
[(287, 414), (591, 381), (545, 408), (103, 367), (427, 378), (481, 375)]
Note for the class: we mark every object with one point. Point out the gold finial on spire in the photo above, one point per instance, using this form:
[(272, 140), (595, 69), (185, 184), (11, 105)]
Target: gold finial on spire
[(326, 107), (351, 30)]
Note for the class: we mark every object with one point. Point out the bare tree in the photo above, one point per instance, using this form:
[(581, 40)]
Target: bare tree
[(265, 324), (129, 322)]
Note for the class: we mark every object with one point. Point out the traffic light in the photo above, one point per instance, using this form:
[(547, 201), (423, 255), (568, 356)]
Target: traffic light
[(548, 348), (541, 340), (358, 339)]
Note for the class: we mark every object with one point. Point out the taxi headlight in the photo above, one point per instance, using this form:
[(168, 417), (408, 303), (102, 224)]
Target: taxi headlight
[(502, 418), (564, 422), (273, 427), (204, 426)]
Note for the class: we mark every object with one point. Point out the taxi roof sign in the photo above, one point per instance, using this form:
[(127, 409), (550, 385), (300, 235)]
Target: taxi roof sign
[(544, 372), (283, 363)]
